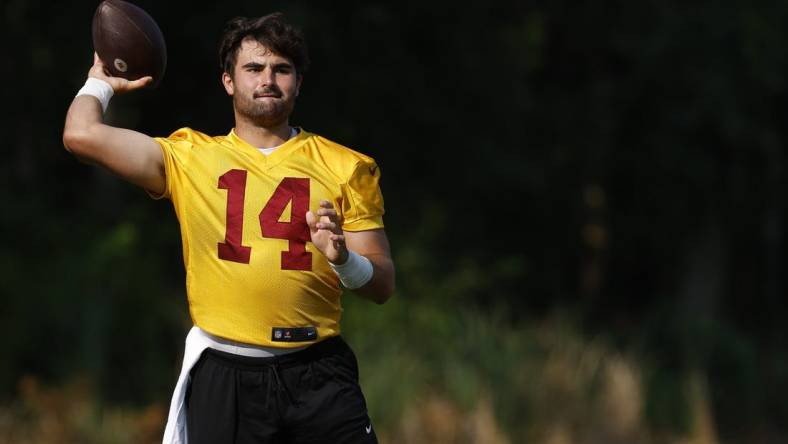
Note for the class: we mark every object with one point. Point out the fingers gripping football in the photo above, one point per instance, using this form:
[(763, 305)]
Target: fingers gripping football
[(119, 84), (326, 233)]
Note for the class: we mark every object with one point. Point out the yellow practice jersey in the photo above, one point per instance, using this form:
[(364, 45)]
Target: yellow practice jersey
[(252, 273)]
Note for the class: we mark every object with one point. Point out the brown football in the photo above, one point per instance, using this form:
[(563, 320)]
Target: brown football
[(129, 41)]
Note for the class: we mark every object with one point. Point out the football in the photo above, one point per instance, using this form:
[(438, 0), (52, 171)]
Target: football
[(128, 41)]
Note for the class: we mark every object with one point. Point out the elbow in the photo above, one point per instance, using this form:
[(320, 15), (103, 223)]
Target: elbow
[(81, 141), (74, 140)]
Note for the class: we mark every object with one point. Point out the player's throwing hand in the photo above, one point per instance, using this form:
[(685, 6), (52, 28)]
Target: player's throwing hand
[(118, 84), (326, 233)]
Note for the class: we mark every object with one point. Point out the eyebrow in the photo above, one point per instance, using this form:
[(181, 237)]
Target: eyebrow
[(260, 65)]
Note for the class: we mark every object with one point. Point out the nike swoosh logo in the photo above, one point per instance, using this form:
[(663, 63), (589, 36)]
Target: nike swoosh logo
[(368, 429), (373, 169)]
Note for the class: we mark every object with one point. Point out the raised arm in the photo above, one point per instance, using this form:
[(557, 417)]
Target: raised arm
[(129, 154)]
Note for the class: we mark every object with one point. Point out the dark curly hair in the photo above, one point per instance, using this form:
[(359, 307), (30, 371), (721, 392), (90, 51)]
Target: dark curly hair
[(272, 31)]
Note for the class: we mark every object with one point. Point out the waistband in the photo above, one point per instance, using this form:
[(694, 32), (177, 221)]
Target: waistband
[(238, 348), (327, 347)]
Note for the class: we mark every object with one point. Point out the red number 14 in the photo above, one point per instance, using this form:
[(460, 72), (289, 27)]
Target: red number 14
[(296, 232)]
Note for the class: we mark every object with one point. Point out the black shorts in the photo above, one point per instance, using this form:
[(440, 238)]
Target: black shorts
[(309, 396)]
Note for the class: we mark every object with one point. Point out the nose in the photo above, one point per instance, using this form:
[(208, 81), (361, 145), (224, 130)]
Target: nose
[(266, 76)]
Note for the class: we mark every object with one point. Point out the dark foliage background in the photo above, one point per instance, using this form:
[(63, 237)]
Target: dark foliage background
[(618, 164)]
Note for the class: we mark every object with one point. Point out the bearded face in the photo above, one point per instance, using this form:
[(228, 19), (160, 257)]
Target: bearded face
[(264, 85)]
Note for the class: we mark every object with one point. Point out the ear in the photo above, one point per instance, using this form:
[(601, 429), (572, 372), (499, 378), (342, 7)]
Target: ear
[(298, 84), (227, 81)]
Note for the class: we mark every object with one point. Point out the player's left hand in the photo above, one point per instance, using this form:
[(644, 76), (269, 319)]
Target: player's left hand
[(326, 233)]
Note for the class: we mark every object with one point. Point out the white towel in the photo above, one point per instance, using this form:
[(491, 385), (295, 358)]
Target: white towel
[(175, 432)]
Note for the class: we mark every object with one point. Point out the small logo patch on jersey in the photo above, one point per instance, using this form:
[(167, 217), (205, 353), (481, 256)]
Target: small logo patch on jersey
[(295, 334), (368, 429)]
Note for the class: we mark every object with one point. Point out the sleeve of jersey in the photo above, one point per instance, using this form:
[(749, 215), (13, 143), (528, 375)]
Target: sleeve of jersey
[(362, 201), (175, 149)]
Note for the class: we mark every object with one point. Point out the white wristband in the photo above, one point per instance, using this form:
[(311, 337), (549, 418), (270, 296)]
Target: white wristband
[(354, 273), (99, 89)]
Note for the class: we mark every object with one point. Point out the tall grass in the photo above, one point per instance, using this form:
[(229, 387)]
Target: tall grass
[(456, 374)]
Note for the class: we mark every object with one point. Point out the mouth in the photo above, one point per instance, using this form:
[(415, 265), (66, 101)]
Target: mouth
[(270, 95)]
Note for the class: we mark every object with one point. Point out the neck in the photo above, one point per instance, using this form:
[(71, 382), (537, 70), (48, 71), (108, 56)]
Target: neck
[(262, 137)]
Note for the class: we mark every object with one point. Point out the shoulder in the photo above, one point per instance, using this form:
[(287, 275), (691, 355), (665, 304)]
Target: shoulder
[(192, 137), (336, 156)]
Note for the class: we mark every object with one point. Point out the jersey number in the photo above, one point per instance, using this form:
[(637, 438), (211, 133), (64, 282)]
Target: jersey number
[(296, 232)]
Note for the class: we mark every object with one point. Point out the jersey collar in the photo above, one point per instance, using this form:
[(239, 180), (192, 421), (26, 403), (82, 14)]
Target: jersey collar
[(277, 156)]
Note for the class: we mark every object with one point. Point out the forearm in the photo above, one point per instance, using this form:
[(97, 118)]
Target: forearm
[(82, 120), (381, 286), (131, 155)]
